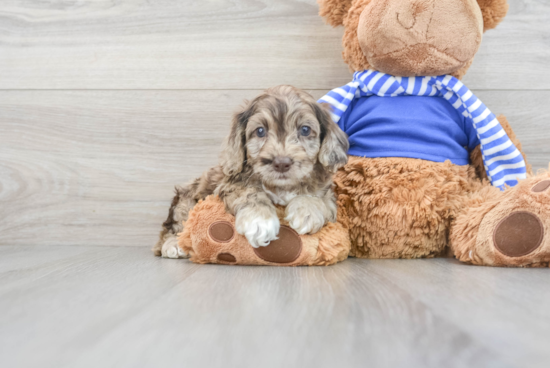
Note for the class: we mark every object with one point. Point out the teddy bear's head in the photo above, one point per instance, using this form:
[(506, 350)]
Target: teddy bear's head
[(413, 37)]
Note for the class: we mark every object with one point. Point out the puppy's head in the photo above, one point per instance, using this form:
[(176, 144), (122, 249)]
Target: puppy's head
[(282, 136)]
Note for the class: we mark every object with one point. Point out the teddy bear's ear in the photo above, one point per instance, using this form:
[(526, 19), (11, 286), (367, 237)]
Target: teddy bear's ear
[(334, 11), (493, 11)]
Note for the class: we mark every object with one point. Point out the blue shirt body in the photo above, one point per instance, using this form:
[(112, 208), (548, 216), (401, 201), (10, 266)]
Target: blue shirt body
[(427, 128)]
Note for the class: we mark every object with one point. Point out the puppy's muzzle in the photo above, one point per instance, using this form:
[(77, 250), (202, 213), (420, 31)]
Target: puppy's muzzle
[(282, 164)]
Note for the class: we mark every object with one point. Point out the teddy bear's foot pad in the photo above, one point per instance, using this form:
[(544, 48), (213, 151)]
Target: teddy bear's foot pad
[(519, 238), (221, 231), (519, 234), (541, 187), (509, 229), (226, 258), (286, 249)]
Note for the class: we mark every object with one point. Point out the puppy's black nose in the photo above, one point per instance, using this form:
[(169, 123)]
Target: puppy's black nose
[(282, 164)]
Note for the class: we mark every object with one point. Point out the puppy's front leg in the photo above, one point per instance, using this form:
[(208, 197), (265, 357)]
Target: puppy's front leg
[(256, 218), (308, 214)]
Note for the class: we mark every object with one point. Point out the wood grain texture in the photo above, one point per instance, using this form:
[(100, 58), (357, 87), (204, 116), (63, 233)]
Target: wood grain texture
[(98, 171), (224, 44), (99, 167), (120, 307)]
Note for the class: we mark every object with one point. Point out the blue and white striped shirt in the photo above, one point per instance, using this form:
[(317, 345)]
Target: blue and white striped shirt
[(503, 162)]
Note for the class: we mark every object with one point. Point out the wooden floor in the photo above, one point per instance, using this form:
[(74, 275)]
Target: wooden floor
[(105, 105), (66, 306)]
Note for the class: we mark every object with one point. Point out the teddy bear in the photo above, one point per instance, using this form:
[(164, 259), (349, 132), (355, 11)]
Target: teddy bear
[(431, 170)]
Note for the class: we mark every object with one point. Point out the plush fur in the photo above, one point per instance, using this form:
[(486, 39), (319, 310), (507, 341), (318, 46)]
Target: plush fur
[(401, 208), (411, 208), (410, 38), (472, 236)]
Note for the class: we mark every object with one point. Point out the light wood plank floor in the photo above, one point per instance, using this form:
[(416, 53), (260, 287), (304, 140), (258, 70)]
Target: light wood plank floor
[(69, 306)]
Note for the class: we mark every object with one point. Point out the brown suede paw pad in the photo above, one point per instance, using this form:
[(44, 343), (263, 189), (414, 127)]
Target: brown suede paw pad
[(227, 257), (541, 187), (286, 249), (221, 231), (518, 234)]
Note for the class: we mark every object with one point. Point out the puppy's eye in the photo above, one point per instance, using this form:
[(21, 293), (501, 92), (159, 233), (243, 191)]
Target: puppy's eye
[(260, 132), (305, 131)]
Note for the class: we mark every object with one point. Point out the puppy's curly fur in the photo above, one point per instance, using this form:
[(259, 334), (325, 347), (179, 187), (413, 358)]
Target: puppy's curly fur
[(283, 149)]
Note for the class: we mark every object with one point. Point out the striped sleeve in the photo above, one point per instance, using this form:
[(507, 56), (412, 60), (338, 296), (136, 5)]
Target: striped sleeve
[(503, 161)]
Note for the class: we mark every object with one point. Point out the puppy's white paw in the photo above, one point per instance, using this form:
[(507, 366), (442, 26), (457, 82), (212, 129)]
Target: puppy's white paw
[(259, 227), (170, 249), (306, 214)]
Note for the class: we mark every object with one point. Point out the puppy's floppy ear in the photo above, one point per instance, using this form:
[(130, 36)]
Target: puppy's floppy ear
[(334, 142), (233, 154), (334, 11), (493, 12)]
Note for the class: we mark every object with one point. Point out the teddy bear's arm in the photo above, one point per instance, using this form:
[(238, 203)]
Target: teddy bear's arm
[(476, 158)]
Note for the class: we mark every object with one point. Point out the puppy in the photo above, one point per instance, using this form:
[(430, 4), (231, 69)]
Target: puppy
[(283, 149)]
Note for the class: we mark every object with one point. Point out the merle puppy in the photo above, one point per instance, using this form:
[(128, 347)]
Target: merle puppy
[(283, 149)]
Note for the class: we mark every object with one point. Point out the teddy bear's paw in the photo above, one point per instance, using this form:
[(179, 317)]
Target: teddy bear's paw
[(522, 232), (306, 214), (286, 249), (519, 234), (170, 249), (516, 232), (258, 225)]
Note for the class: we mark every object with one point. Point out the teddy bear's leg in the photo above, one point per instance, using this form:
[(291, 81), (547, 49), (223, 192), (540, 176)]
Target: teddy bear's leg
[(510, 228), (400, 207)]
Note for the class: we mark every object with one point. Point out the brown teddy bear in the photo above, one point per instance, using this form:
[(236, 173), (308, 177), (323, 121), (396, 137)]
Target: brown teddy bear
[(422, 145), (431, 169)]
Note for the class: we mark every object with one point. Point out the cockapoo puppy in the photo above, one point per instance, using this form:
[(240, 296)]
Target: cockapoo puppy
[(283, 149)]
